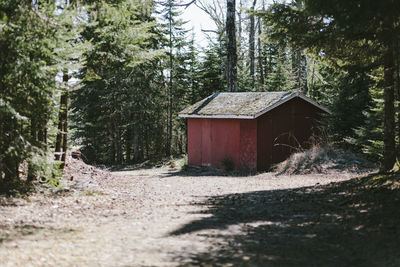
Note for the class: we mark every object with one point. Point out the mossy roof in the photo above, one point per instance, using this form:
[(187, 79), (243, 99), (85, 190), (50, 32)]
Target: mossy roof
[(240, 104)]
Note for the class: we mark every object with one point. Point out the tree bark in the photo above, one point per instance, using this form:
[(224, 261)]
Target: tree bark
[(260, 54), (304, 73), (389, 153), (62, 134), (118, 145), (57, 151), (252, 44), (31, 171), (240, 22), (112, 145), (128, 144), (170, 83), (9, 162), (397, 65), (65, 130), (231, 47)]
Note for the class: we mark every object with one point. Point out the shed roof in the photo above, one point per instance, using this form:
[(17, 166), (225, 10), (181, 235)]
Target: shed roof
[(241, 105)]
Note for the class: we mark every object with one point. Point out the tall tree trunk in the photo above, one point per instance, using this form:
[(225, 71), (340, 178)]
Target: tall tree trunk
[(170, 100), (10, 163), (296, 66), (62, 134), (31, 171), (397, 66), (65, 131), (128, 145), (312, 91), (240, 23), (389, 153), (57, 151), (304, 73), (64, 103), (118, 144), (260, 54), (251, 43), (231, 47)]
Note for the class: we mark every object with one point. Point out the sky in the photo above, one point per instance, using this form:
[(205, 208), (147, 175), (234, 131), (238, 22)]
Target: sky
[(198, 20)]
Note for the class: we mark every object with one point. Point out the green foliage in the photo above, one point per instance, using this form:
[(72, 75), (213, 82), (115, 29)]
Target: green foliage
[(212, 72), (132, 67), (349, 101), (118, 113), (27, 69), (355, 40)]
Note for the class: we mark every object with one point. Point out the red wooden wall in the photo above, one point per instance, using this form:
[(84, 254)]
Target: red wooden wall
[(252, 144), (283, 129), (212, 140)]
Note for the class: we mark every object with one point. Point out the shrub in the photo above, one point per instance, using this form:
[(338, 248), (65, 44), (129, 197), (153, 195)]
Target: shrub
[(228, 164)]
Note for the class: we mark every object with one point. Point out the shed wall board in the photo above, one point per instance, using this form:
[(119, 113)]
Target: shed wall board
[(225, 134), (253, 144), (206, 143), (248, 144), (212, 140), (281, 130), (194, 128)]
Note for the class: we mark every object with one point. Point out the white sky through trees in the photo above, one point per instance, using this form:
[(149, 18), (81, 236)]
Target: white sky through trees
[(199, 20)]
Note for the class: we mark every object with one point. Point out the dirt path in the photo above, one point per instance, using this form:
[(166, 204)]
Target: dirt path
[(158, 217)]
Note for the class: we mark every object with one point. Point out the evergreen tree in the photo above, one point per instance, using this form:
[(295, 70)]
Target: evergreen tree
[(31, 38), (212, 76), (175, 46), (348, 32), (116, 110)]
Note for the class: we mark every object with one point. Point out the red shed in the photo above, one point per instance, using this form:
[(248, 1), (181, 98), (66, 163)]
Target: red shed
[(254, 130)]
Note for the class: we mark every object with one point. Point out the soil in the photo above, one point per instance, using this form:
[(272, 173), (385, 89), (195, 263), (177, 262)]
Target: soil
[(167, 217)]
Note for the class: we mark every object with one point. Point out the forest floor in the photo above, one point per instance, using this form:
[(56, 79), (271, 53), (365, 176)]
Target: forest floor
[(167, 217)]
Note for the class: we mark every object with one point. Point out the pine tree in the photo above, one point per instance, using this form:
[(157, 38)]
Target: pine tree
[(117, 110), (175, 47), (359, 32), (28, 87)]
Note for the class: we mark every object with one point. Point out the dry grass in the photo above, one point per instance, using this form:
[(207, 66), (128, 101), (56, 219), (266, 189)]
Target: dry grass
[(325, 159)]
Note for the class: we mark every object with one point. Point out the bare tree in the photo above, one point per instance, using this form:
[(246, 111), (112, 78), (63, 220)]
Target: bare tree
[(215, 10)]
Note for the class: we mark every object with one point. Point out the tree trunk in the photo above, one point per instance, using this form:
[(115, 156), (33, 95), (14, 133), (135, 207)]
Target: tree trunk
[(389, 153), (231, 47), (251, 44), (170, 83), (240, 23), (128, 144), (9, 162), (57, 151), (296, 67), (62, 134), (260, 54), (397, 58), (118, 144), (31, 171), (304, 73), (64, 131), (112, 145)]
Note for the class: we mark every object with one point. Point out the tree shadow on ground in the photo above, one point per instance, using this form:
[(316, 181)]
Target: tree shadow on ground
[(352, 223), (10, 233), (192, 170)]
